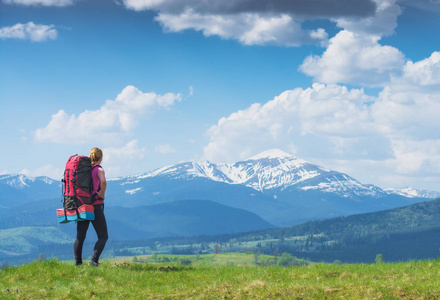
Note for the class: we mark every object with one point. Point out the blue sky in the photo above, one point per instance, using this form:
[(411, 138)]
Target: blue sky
[(353, 88)]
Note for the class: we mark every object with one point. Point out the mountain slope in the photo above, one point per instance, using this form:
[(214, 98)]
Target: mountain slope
[(184, 218), (180, 218)]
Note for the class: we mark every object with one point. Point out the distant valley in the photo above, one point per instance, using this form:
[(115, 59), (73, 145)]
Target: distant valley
[(272, 189)]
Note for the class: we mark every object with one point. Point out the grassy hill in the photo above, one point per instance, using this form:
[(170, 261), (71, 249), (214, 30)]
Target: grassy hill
[(62, 280), (20, 241)]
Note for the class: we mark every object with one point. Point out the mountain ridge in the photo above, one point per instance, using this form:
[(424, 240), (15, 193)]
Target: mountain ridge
[(262, 176), (279, 187)]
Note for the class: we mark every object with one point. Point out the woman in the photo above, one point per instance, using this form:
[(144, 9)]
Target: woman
[(100, 224)]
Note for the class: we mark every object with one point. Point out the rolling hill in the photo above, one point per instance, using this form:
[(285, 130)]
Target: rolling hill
[(400, 234)]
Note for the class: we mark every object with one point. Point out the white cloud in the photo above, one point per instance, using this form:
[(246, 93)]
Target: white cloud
[(415, 157), (165, 149), (408, 114), (40, 2), (122, 160), (263, 22), (107, 124), (248, 28), (29, 31), (425, 72), (259, 22), (324, 117), (353, 58)]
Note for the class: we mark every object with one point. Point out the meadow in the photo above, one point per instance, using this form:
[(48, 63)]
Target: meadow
[(219, 279)]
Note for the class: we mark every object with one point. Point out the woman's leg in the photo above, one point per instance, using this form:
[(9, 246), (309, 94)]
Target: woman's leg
[(81, 231), (100, 225)]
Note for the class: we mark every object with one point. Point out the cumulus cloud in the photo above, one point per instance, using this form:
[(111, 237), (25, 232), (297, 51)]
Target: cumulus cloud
[(29, 31), (328, 118), (424, 73), (109, 123), (248, 28), (353, 58), (122, 160), (393, 135), (40, 2), (260, 22), (409, 114)]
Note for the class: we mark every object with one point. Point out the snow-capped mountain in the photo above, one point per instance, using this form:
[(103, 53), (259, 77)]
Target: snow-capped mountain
[(413, 193), (265, 171), (17, 189), (281, 188), (268, 172), (23, 181)]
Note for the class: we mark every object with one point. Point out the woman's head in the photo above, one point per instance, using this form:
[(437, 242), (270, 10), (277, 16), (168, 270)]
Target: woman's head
[(95, 155)]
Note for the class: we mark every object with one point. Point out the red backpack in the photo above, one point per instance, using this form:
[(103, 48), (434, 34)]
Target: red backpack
[(78, 183)]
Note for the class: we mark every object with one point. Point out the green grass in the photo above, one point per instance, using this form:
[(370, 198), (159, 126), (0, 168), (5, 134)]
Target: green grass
[(62, 280)]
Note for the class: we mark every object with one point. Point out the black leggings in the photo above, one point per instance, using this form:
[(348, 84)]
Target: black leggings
[(100, 226)]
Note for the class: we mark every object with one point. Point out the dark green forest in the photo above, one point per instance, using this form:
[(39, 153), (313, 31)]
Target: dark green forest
[(401, 234)]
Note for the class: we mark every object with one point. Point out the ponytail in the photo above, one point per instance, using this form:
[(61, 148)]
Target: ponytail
[(95, 155)]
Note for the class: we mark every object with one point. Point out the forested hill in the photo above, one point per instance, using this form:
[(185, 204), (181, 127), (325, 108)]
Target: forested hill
[(411, 232), (412, 218)]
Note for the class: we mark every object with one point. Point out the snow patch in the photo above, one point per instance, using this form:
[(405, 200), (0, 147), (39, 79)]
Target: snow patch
[(132, 192), (271, 154), (413, 193)]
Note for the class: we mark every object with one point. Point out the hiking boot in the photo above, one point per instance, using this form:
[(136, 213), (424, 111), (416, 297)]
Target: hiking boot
[(93, 263)]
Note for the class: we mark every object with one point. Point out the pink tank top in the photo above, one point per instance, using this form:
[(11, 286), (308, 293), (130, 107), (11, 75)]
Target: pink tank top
[(96, 183)]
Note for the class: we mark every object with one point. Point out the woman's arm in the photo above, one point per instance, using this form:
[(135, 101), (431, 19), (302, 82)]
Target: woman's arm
[(101, 176), (103, 187)]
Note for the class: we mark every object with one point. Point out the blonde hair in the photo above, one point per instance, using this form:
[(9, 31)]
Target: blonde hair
[(95, 155)]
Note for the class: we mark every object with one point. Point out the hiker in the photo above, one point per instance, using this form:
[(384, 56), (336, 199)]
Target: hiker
[(100, 224)]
